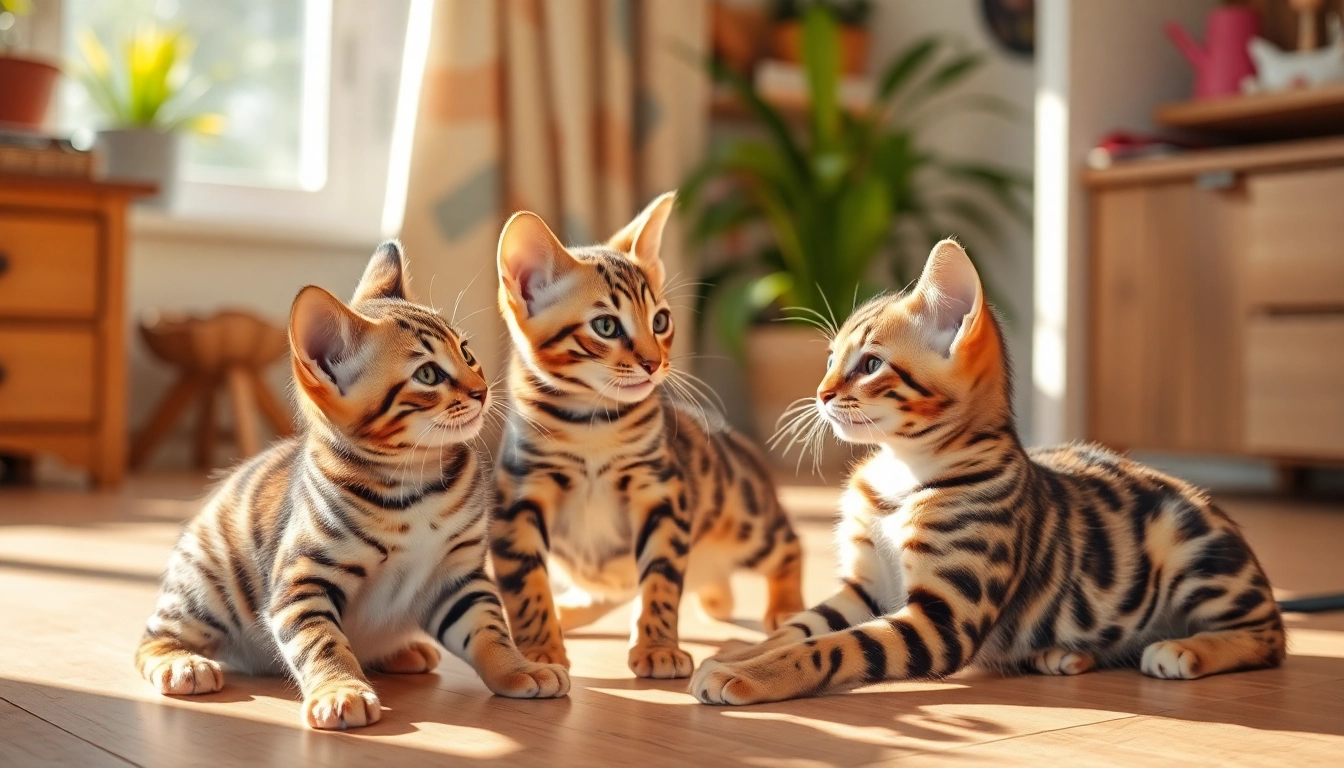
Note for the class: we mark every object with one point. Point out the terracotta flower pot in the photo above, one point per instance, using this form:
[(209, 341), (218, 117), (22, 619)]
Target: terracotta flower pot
[(25, 91), (788, 45), (785, 362)]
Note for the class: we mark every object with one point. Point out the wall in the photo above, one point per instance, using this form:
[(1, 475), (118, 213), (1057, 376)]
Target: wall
[(204, 269), (1008, 142)]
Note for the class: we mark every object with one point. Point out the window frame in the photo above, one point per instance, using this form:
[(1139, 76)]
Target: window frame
[(364, 61)]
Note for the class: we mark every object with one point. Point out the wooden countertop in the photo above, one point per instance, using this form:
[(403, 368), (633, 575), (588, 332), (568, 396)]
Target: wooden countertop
[(76, 185), (1247, 157)]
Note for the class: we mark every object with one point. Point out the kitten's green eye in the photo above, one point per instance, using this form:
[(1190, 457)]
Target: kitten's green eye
[(830, 361), (428, 374), (606, 327), (661, 321), (872, 364), (466, 354)]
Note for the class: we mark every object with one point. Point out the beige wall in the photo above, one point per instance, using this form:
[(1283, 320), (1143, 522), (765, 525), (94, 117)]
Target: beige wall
[(195, 269)]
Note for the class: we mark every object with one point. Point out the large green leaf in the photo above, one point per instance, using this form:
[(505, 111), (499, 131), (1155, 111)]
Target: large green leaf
[(905, 67), (821, 61)]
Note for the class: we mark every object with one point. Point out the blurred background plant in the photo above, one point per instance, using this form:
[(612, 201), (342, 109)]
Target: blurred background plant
[(10, 11), (852, 197), (146, 82)]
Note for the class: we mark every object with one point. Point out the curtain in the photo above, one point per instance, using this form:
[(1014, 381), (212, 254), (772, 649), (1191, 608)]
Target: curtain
[(579, 110)]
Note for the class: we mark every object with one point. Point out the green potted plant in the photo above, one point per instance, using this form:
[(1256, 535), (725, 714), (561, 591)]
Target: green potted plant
[(26, 84), (146, 95), (847, 201), (852, 16)]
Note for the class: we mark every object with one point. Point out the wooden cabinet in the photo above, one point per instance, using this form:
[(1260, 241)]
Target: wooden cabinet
[(1217, 303), (62, 321)]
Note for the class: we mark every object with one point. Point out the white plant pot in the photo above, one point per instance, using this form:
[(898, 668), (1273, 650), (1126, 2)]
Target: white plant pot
[(142, 154), (785, 362)]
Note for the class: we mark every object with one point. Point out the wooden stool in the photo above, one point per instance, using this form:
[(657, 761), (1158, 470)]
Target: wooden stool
[(229, 348)]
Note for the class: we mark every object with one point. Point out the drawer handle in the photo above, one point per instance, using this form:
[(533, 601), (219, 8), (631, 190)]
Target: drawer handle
[(4, 263)]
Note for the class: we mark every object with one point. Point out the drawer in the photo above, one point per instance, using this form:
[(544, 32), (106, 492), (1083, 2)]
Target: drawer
[(1295, 239), (48, 265), (46, 376), (1295, 386)]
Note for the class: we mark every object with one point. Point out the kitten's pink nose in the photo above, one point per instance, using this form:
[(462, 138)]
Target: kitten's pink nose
[(826, 395), (477, 394), (648, 366)]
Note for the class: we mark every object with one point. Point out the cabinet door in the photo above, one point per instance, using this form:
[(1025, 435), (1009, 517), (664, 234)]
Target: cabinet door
[(1165, 346), (1295, 240), (1295, 386)]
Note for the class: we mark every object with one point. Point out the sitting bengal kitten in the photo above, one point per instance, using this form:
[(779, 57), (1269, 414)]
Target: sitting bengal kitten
[(608, 487), (958, 546), (360, 542)]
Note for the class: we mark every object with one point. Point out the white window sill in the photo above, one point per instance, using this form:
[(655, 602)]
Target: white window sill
[(156, 224)]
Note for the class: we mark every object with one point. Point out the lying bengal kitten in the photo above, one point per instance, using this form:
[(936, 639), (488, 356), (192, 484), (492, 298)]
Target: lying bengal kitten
[(609, 487), (359, 543), (958, 546)]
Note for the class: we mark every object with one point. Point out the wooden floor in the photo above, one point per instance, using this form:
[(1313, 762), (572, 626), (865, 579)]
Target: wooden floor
[(78, 574)]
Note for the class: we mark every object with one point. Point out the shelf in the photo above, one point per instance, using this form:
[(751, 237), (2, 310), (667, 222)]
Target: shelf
[(1289, 114), (1289, 154)]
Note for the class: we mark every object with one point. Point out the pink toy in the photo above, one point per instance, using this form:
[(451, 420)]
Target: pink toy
[(1223, 62)]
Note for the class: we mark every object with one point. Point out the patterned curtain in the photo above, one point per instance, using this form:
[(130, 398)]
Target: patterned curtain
[(579, 110)]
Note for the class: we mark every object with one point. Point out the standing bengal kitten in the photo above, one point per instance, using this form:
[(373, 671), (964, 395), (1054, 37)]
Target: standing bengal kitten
[(359, 543), (608, 488), (958, 547)]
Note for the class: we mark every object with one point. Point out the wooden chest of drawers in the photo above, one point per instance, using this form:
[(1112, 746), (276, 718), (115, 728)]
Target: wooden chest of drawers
[(1217, 303), (62, 321)]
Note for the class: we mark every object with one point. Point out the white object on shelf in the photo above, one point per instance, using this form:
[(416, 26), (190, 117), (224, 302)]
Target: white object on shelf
[(1279, 70)]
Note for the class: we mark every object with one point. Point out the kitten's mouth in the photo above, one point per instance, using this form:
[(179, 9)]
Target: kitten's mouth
[(466, 427), (848, 418)]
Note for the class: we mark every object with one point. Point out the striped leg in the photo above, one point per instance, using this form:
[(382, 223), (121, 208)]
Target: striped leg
[(188, 626), (854, 603), (519, 547), (919, 641), (305, 617), (661, 555), (468, 620)]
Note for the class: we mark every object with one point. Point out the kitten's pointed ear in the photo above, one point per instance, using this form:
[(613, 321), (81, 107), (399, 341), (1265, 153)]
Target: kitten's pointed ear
[(642, 238), (385, 276), (324, 336), (532, 264), (952, 297)]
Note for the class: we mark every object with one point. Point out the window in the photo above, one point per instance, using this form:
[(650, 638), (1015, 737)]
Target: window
[(307, 89)]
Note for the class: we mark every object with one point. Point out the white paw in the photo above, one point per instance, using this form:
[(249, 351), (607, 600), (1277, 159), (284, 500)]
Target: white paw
[(719, 683), (188, 675), (343, 705), (1169, 660)]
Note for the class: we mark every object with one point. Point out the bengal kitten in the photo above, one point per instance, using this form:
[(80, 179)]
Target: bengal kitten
[(360, 543), (957, 546), (610, 487)]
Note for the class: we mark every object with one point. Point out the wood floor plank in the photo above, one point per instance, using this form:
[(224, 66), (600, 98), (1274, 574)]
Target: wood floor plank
[(29, 741)]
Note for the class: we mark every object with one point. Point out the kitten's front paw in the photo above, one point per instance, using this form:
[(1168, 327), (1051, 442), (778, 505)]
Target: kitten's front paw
[(186, 674), (348, 704), (719, 683), (660, 661), (418, 658), (534, 681), (1169, 660)]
